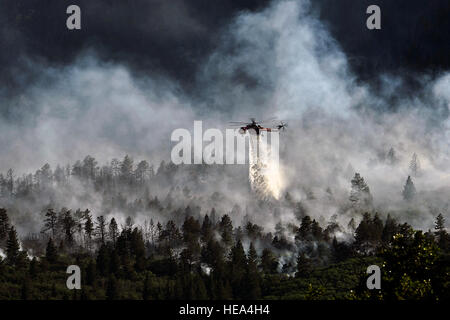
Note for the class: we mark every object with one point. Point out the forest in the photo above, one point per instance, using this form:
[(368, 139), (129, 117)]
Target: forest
[(182, 232)]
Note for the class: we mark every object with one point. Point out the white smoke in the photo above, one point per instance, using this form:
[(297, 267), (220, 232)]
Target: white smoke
[(264, 171)]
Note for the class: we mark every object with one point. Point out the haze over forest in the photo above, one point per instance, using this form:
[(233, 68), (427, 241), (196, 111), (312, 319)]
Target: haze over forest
[(275, 60), (86, 121)]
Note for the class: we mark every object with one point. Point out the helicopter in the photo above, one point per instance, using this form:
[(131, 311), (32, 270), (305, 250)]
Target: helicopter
[(256, 125)]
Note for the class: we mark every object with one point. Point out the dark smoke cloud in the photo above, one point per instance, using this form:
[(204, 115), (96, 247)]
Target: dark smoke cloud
[(173, 38), (150, 36), (414, 37)]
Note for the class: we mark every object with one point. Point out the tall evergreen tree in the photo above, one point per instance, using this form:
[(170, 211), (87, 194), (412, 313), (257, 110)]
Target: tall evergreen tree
[(269, 263), (88, 228), (252, 278), (238, 266), (409, 190), (126, 169), (101, 228), (51, 254), (305, 230), (12, 247), (360, 193), (363, 234), (113, 230), (51, 222), (4, 225), (439, 225), (389, 230), (226, 230), (303, 266), (69, 225), (206, 229), (316, 231), (377, 228), (441, 234), (103, 260)]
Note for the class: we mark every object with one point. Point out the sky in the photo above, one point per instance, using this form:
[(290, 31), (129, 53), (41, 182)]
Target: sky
[(174, 38)]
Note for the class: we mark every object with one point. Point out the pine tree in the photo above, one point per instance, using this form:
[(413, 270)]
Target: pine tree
[(206, 229), (170, 236), (226, 229), (252, 257), (238, 265), (137, 247), (33, 267), (69, 225), (269, 263), (88, 228), (305, 230), (51, 222), (237, 258), (212, 254), (114, 230), (441, 234), (363, 232), (101, 228), (191, 230), (252, 278), (12, 247), (51, 254), (4, 225), (142, 171), (303, 266), (360, 193), (126, 169), (439, 225), (389, 230), (409, 190), (377, 228), (316, 231), (103, 260)]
